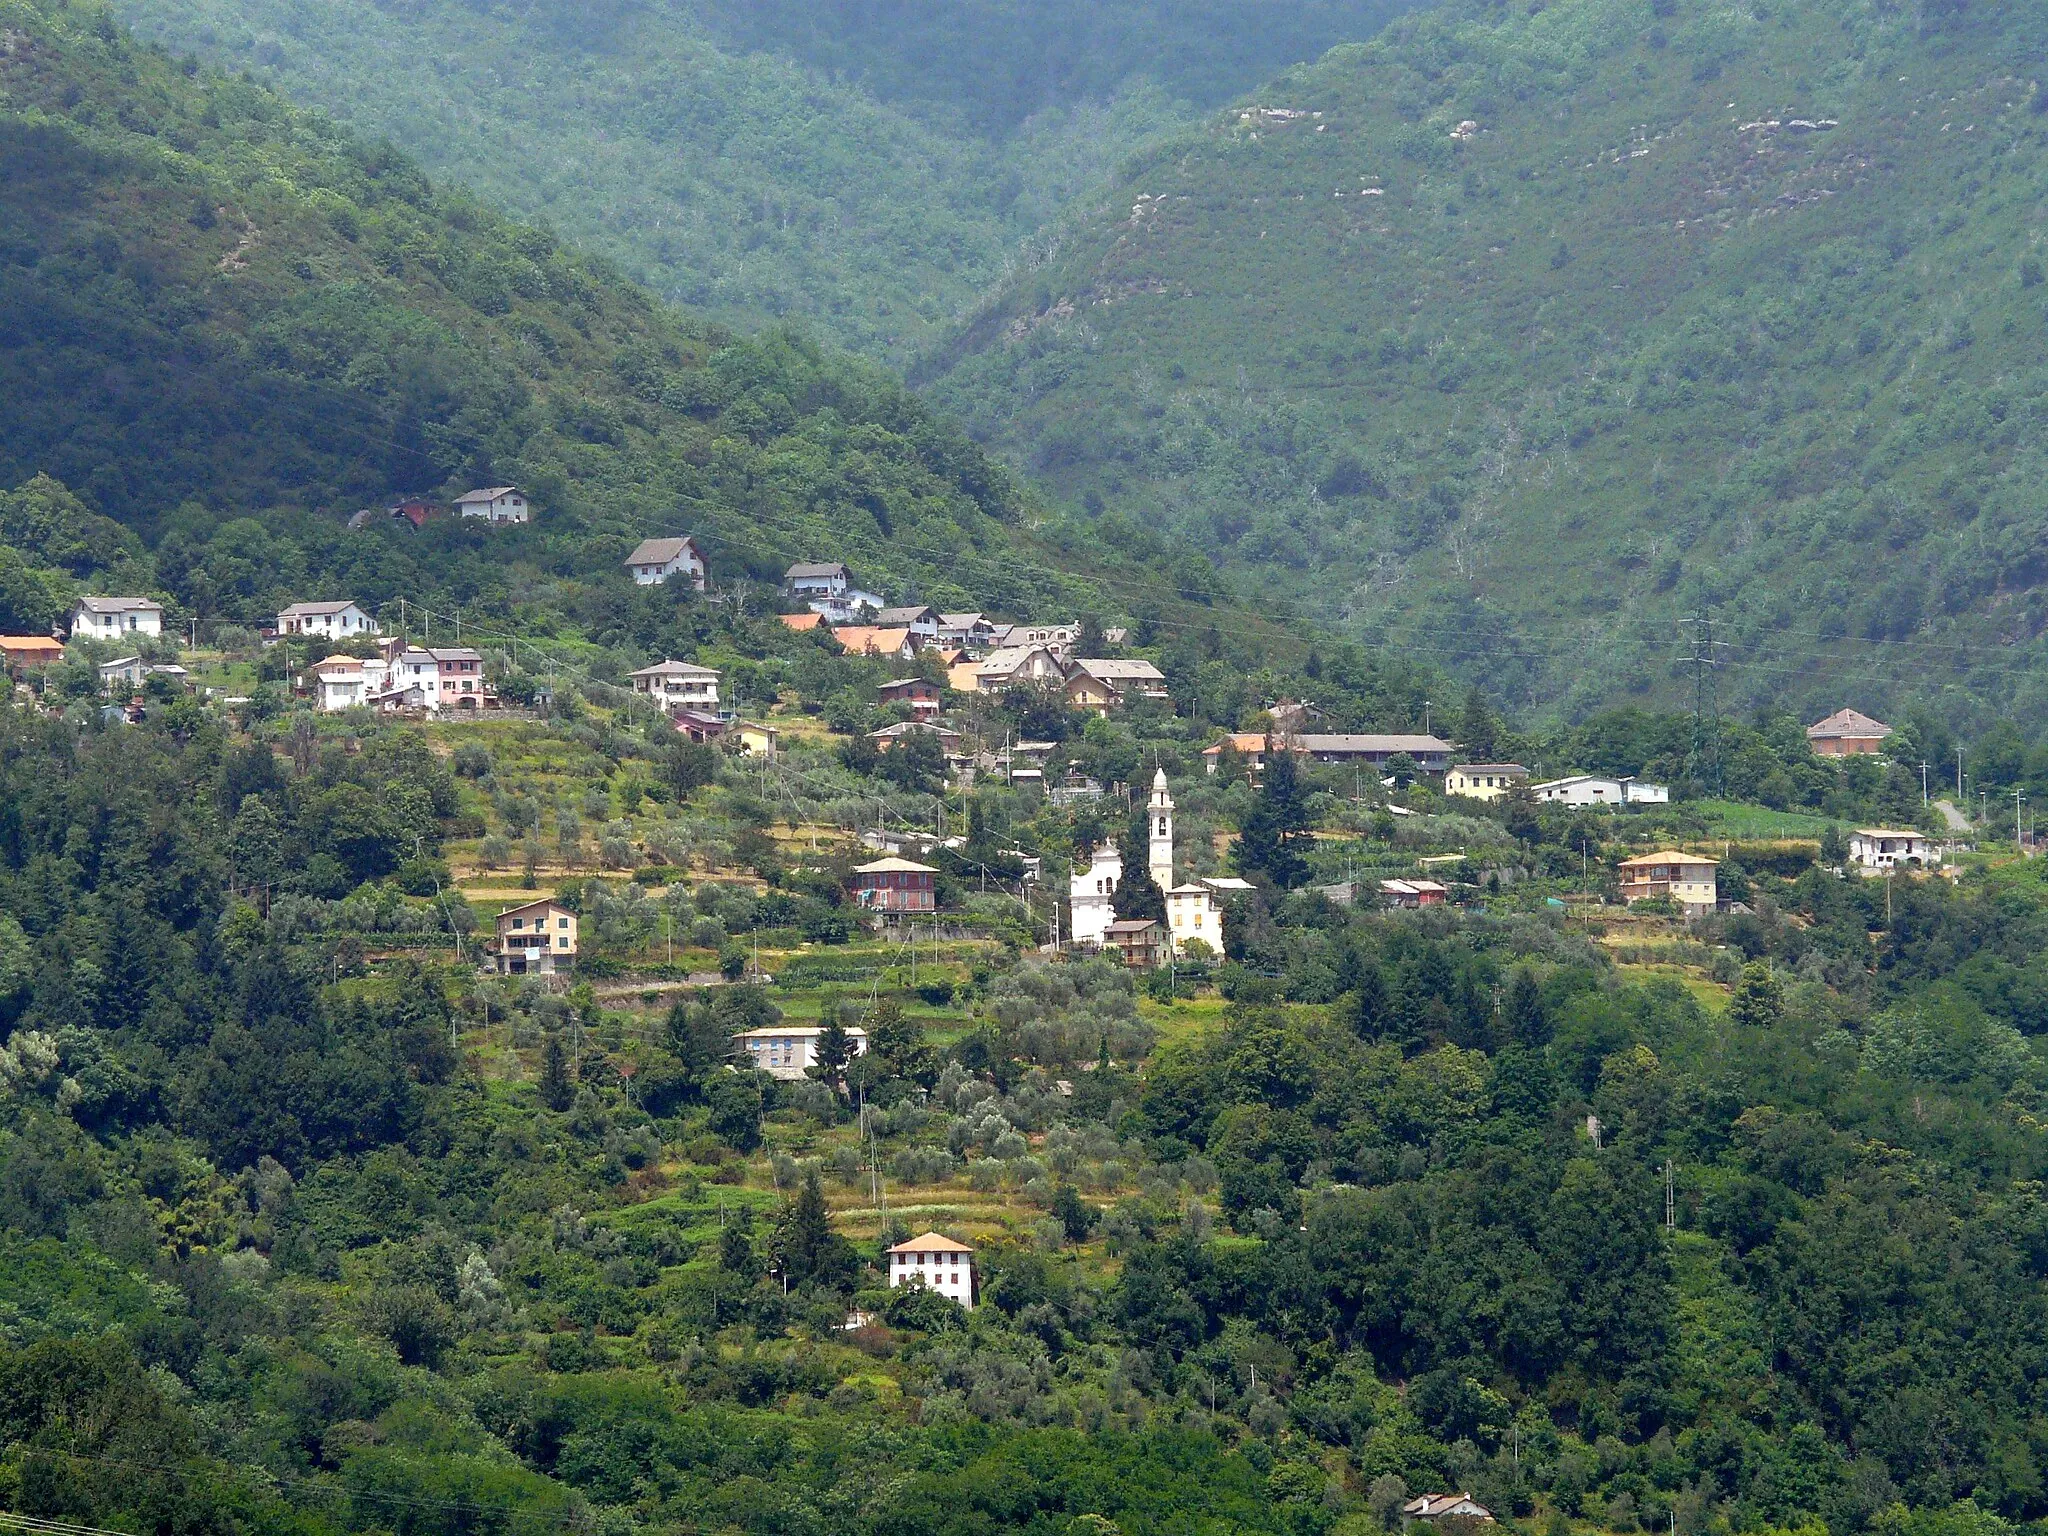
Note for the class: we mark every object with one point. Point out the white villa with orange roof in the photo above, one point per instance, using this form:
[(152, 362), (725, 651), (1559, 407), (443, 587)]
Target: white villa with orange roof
[(940, 1262)]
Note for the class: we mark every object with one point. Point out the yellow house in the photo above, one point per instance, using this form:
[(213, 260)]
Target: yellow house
[(1690, 879), (754, 738), (536, 939), (1484, 781)]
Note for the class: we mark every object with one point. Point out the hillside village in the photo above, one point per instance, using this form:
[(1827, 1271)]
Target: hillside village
[(879, 967), (955, 702)]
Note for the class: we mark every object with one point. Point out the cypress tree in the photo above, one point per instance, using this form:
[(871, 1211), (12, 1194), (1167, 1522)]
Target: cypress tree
[(556, 1091)]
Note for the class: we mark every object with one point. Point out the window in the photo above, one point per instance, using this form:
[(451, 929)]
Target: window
[(518, 922)]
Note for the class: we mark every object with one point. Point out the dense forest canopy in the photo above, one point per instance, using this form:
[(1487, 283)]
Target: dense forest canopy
[(1524, 334), (228, 325), (871, 169), (1618, 1217)]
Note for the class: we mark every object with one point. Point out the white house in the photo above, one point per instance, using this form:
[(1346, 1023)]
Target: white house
[(965, 631), (939, 1262), (920, 620), (1195, 910), (1879, 849), (331, 621), (1060, 639), (116, 618), (654, 561), (808, 579), (448, 677), (344, 682), (496, 504), (1597, 789), (788, 1051), (849, 607), (679, 685)]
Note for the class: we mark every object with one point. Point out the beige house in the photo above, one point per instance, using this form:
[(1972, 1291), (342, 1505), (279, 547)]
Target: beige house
[(1689, 879), (939, 1262), (754, 738), (537, 939), (1484, 781)]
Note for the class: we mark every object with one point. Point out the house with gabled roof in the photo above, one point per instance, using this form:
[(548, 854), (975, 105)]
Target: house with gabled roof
[(496, 504), (116, 618), (679, 685), (943, 1263), (654, 561), (344, 620)]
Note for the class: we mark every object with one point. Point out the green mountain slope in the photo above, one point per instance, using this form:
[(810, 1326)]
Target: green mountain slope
[(869, 167), (1705, 306), (227, 325)]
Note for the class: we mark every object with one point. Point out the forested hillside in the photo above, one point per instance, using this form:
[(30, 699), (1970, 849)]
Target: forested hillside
[(1521, 333), (872, 168), (228, 325)]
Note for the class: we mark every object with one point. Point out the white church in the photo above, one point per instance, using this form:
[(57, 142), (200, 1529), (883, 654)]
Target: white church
[(1193, 910)]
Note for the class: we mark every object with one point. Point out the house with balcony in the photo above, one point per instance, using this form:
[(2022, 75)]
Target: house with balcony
[(536, 939), (894, 887), (679, 685), (920, 693), (1689, 879)]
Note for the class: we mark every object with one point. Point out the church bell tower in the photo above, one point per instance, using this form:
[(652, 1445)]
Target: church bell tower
[(1159, 829)]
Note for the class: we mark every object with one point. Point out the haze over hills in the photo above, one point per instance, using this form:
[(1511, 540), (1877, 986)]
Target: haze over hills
[(871, 168), (1521, 334), (226, 324)]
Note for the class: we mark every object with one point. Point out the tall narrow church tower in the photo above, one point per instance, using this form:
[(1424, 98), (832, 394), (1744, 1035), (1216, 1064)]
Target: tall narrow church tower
[(1159, 826)]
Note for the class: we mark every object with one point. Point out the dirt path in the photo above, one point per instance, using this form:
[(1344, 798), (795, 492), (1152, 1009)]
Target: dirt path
[(1954, 819)]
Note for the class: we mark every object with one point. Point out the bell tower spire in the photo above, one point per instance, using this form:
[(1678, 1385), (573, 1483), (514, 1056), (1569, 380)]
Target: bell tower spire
[(1159, 830)]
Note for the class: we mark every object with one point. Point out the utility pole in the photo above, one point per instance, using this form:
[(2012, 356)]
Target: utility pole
[(1706, 704), (2018, 797), (1923, 784), (1959, 771), (1670, 1200)]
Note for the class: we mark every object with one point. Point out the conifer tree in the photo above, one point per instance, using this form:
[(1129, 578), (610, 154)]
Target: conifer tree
[(1269, 843), (556, 1091)]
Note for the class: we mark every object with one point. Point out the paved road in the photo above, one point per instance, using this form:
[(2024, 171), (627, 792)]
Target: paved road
[(1955, 819)]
